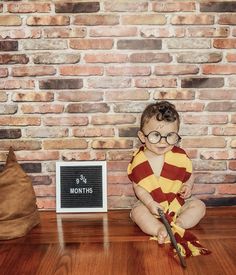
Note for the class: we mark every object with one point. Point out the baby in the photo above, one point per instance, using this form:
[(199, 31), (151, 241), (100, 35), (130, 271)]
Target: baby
[(161, 174)]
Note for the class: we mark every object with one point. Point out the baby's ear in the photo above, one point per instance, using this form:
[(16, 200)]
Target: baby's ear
[(141, 136)]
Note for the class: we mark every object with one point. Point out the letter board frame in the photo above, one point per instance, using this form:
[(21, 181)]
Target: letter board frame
[(81, 186)]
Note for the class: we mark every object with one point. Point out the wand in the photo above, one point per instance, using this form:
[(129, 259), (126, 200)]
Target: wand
[(172, 238)]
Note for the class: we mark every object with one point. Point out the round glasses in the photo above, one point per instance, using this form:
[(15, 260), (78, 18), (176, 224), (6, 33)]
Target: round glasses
[(154, 137)]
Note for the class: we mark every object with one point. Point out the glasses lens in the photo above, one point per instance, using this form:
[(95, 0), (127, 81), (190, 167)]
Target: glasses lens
[(172, 138), (154, 137)]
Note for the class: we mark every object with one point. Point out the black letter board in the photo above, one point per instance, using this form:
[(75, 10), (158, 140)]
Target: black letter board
[(81, 186)]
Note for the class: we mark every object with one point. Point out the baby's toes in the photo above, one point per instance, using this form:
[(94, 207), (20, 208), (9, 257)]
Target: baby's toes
[(161, 235)]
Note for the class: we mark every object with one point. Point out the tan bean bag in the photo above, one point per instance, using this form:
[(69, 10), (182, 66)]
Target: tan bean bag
[(18, 209)]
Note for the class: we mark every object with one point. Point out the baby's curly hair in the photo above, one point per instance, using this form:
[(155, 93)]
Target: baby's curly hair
[(162, 110)]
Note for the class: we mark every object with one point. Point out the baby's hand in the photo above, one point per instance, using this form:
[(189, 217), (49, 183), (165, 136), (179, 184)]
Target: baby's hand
[(185, 191), (152, 206)]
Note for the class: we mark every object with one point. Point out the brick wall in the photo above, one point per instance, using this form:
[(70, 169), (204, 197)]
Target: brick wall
[(74, 78)]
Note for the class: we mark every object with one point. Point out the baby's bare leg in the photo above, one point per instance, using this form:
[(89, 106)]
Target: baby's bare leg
[(148, 223), (191, 213)]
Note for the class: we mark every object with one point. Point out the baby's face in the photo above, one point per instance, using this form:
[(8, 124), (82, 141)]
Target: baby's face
[(164, 128)]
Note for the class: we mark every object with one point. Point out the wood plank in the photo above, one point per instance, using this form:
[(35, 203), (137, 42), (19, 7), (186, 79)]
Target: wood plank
[(110, 243)]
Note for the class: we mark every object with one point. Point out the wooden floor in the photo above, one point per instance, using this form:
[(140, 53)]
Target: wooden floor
[(110, 244)]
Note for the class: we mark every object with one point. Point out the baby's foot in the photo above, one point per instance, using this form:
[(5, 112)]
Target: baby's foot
[(162, 235)]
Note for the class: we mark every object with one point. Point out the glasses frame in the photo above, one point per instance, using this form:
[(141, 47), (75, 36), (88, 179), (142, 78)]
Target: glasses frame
[(161, 137)]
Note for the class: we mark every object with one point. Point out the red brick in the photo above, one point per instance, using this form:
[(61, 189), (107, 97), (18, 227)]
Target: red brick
[(42, 109), (87, 7), (128, 70), (28, 7), (112, 119), (120, 155), (65, 120), (126, 6), (229, 43), (173, 6), (203, 142), (46, 203), (46, 132), (224, 131), (84, 155), (209, 165), (151, 32), (214, 155), (200, 31), (3, 72), (191, 19), (156, 82), (65, 32), (150, 57), (10, 20), (222, 106), (76, 95), (223, 94), (93, 20), (227, 19), (86, 44), (119, 95), (112, 144), (203, 189), (3, 96), (190, 106), (109, 82), (233, 143), (45, 190), (231, 57), (20, 120), (232, 81), (193, 57), (175, 69), (20, 33), (44, 44), (174, 94), (105, 58), (232, 165), (54, 58), (62, 144), (41, 180), (87, 108), (20, 145), (233, 118), (33, 71), (12, 84), (205, 119), (117, 166), (113, 31), (81, 70), (32, 96), (149, 19), (13, 59), (120, 190), (46, 20), (219, 69), (116, 202), (93, 132), (227, 189), (208, 177)]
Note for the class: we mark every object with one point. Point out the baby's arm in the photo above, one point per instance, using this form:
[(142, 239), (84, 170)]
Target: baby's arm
[(186, 189), (146, 199)]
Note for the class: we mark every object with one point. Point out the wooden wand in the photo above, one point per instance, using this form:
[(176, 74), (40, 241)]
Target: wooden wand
[(172, 237)]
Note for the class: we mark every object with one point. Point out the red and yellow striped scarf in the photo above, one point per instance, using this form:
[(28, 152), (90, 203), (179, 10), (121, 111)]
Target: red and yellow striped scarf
[(177, 169)]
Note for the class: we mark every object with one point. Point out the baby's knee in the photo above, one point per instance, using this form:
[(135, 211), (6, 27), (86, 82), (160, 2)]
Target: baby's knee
[(200, 206), (135, 213)]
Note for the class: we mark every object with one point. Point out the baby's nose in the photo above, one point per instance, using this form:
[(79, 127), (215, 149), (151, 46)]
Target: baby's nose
[(163, 140)]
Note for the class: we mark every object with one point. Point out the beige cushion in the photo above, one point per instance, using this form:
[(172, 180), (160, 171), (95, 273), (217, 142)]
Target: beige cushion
[(18, 209)]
